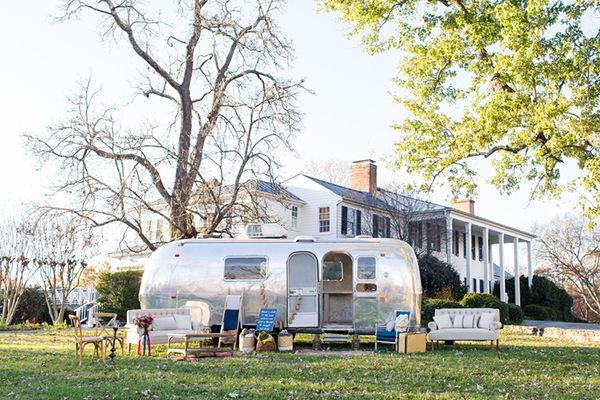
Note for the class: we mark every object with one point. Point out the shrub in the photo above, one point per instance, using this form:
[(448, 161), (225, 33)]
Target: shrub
[(119, 292), (543, 292), (515, 314), (430, 305), (439, 279), (535, 311), (484, 300), (32, 308)]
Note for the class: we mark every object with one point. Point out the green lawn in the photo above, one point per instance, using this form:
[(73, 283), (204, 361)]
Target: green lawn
[(43, 366)]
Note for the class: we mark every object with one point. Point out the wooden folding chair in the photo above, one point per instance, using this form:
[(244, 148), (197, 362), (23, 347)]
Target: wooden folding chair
[(104, 323), (81, 341), (232, 314)]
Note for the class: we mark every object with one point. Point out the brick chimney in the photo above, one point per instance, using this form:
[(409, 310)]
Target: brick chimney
[(363, 176), (464, 205)]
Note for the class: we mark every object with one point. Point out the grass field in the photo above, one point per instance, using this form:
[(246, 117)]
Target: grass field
[(43, 366)]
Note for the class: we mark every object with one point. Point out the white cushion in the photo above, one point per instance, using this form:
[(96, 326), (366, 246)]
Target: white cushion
[(164, 323), (389, 326), (468, 321), (401, 323), (443, 321), (458, 321), (183, 321), (485, 321)]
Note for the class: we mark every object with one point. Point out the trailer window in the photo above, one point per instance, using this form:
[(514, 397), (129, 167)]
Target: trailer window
[(366, 287), (366, 268), (245, 268), (332, 271)]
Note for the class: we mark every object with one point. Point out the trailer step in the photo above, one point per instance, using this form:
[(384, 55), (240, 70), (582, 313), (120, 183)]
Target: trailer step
[(333, 338)]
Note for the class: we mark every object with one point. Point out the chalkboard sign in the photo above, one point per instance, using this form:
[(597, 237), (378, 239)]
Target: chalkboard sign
[(266, 319)]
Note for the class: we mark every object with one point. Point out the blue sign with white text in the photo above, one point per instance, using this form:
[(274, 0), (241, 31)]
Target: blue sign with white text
[(266, 319)]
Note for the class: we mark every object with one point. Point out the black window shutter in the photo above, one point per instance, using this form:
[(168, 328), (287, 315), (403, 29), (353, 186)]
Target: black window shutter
[(388, 228), (375, 225), (357, 224), (344, 220)]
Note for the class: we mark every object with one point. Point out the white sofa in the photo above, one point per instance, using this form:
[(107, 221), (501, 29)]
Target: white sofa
[(166, 321), (478, 330)]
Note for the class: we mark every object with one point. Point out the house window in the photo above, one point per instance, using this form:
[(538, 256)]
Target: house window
[(456, 244), (159, 230), (148, 229), (381, 226), (464, 237), (481, 287), (324, 219), (473, 247), (416, 234), (366, 268), (349, 221), (332, 271), (245, 268), (434, 237), (475, 285), (294, 217), (480, 242)]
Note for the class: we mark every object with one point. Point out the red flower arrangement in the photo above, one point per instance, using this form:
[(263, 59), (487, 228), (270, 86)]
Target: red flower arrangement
[(143, 321)]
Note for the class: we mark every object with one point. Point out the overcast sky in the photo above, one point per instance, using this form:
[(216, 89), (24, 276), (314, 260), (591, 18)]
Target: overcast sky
[(348, 118)]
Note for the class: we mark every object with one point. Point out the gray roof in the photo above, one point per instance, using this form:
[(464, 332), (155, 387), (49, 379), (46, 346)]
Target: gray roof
[(384, 199), (276, 190)]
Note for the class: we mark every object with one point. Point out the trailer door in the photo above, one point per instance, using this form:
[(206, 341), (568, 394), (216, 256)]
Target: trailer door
[(303, 300)]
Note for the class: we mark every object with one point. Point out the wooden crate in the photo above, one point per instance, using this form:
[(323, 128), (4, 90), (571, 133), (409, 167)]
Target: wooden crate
[(412, 342)]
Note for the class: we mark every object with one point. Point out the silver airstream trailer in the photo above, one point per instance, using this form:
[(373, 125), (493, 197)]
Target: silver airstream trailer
[(341, 285)]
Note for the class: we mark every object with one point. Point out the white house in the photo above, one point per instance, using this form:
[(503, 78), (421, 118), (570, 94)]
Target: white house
[(313, 207)]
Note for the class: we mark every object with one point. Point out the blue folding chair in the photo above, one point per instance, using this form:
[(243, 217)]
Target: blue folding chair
[(383, 336), (231, 319)]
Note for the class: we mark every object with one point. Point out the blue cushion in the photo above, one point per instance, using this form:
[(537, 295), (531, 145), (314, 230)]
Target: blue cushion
[(230, 320), (384, 334)]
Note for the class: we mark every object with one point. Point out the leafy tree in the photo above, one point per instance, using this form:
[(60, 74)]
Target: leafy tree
[(119, 292), (515, 82), (439, 279)]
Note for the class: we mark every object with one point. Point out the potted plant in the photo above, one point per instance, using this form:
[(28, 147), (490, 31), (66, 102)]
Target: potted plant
[(265, 343)]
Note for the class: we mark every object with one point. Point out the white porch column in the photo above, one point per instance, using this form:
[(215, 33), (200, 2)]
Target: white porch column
[(491, 261), (485, 257), (529, 265), (449, 239), (502, 277), (468, 255), (517, 272)]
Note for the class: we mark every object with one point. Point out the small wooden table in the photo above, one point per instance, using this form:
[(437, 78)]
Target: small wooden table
[(194, 337)]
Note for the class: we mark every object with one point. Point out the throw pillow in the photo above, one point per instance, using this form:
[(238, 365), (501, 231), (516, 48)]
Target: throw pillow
[(443, 321), (389, 326), (401, 323), (458, 321), (468, 321), (164, 323), (183, 321), (486, 320)]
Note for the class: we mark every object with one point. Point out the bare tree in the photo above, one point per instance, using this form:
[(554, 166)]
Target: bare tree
[(61, 248), (16, 268), (571, 254), (404, 214), (220, 67), (334, 171)]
